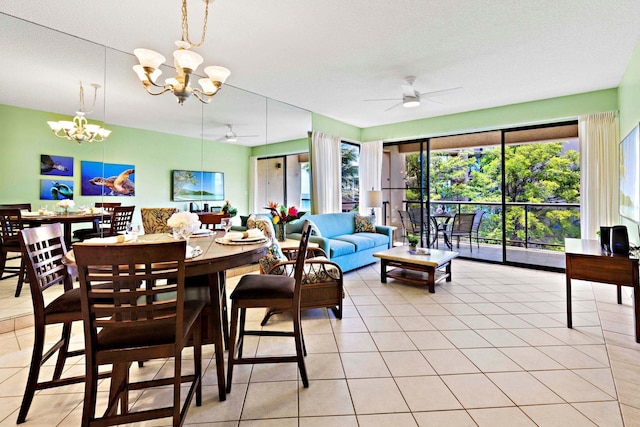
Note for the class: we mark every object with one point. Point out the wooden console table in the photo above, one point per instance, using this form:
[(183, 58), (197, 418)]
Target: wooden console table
[(586, 261)]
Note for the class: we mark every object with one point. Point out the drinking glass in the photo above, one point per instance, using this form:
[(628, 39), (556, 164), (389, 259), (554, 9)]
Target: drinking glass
[(225, 223)]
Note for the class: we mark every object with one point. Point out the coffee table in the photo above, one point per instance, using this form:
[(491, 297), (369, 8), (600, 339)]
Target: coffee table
[(421, 269)]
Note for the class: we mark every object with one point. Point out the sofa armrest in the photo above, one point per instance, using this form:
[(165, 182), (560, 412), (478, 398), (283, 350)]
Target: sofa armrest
[(387, 231)]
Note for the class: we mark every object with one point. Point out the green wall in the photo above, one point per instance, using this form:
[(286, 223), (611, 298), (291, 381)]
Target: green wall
[(26, 135), (281, 148), (542, 111)]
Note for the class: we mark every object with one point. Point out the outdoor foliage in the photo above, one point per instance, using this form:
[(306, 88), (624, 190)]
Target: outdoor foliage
[(534, 173)]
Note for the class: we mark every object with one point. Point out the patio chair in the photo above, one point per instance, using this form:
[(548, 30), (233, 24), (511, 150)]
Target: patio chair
[(475, 228), (462, 226)]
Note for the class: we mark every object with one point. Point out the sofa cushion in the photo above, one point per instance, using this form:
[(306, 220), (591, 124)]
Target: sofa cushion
[(364, 224), (361, 242), (331, 224), (340, 248), (378, 238)]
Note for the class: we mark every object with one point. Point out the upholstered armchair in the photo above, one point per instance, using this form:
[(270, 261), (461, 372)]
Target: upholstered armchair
[(322, 280), (154, 220)]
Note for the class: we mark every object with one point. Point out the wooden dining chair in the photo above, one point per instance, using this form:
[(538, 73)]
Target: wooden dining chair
[(210, 220), (44, 250), (120, 218), (264, 291), (154, 220), (140, 323), (10, 226), (98, 224)]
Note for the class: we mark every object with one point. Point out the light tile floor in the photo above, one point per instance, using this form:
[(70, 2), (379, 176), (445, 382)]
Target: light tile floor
[(489, 348)]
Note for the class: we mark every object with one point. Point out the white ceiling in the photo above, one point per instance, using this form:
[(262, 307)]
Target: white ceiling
[(329, 56)]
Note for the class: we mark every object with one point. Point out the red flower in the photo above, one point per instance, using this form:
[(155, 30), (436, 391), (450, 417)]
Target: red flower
[(282, 214)]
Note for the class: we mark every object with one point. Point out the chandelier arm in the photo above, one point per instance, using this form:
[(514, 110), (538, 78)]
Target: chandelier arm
[(165, 88), (198, 94)]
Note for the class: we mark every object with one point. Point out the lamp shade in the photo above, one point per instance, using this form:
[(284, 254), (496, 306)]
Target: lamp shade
[(187, 59), (217, 73), (375, 198), (149, 58)]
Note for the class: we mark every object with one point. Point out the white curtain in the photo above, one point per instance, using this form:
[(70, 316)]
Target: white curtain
[(326, 173), (253, 185), (370, 171), (599, 137)]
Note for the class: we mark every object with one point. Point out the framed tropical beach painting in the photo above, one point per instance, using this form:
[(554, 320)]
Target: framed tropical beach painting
[(197, 185), (107, 179)]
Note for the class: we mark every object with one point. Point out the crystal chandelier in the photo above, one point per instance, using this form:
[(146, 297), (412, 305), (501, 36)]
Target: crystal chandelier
[(185, 62), (79, 129)]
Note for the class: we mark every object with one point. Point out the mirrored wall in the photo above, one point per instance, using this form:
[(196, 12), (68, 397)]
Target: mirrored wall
[(152, 134)]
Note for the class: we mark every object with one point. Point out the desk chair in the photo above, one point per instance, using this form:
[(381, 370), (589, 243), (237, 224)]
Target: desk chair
[(140, 323), (264, 291), (44, 249), (10, 226)]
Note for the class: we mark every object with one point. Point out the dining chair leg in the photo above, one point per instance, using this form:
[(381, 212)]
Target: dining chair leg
[(34, 372), (243, 318), (300, 352), (232, 345), (90, 394), (63, 351), (21, 277)]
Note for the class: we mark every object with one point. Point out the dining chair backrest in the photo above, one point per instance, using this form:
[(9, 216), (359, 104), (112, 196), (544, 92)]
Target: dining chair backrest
[(210, 220), (154, 220), (120, 217), (107, 311), (10, 226), (107, 206), (21, 206)]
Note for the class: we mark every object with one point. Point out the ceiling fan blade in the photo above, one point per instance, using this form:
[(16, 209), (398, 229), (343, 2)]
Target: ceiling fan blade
[(247, 136), (394, 106), (408, 90), (433, 100), (380, 99), (440, 92)]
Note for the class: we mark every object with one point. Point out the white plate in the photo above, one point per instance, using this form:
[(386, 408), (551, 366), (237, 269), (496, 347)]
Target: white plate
[(248, 239)]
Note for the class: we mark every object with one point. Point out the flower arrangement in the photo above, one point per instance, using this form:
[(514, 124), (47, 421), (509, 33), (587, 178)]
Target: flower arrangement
[(227, 209), (65, 204), (282, 215), (184, 222)]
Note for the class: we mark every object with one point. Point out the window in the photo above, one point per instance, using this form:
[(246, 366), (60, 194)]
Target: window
[(350, 154)]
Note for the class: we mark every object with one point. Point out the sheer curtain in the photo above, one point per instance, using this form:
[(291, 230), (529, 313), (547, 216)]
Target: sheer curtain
[(253, 185), (326, 174), (370, 171), (599, 137)]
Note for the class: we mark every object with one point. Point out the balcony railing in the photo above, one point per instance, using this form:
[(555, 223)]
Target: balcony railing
[(526, 232)]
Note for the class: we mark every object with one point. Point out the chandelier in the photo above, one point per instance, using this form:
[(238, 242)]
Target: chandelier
[(79, 129), (185, 62)]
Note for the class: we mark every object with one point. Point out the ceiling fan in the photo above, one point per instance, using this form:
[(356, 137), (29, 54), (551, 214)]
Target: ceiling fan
[(231, 136), (411, 98)]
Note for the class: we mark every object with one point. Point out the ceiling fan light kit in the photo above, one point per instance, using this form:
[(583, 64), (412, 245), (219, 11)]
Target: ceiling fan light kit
[(186, 62)]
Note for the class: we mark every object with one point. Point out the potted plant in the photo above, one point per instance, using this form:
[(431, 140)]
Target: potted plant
[(413, 241)]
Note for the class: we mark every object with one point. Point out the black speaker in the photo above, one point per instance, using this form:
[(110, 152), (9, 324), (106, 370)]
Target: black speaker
[(619, 240), (605, 238)]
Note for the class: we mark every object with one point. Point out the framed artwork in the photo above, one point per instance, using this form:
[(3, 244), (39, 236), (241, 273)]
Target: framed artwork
[(56, 165), (197, 185), (56, 190), (630, 176), (107, 179)]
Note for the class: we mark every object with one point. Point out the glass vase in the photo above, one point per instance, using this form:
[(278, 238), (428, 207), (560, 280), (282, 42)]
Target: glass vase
[(281, 231)]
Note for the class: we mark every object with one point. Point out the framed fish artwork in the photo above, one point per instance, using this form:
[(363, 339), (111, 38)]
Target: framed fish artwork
[(107, 179), (51, 189), (56, 165)]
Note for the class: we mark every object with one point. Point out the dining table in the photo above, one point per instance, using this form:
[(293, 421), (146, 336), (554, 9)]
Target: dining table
[(34, 219), (211, 256)]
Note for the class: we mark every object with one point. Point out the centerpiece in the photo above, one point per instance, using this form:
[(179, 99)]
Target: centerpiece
[(184, 224), (281, 215), (227, 209), (65, 205)]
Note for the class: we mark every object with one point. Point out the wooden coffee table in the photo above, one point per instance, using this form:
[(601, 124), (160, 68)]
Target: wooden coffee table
[(419, 269)]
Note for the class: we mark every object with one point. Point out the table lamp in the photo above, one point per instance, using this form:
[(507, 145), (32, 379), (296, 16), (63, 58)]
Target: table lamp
[(375, 200)]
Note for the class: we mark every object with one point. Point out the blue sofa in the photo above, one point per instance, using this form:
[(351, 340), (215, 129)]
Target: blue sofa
[(350, 250)]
